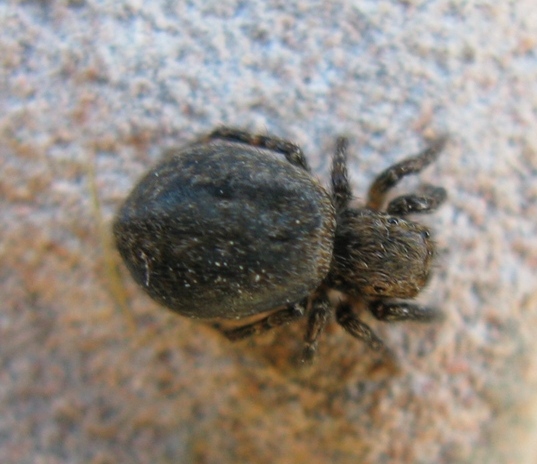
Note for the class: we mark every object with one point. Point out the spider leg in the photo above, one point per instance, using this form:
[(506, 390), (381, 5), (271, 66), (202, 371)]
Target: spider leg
[(427, 202), (398, 311), (391, 176), (276, 319), (320, 309), (358, 329), (292, 152), (341, 189)]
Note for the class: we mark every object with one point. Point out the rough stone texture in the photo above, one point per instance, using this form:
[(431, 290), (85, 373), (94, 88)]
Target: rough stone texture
[(92, 91)]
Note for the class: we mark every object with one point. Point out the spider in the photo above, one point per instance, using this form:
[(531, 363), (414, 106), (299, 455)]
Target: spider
[(234, 226)]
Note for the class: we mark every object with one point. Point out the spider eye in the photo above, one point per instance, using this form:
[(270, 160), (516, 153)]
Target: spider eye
[(379, 289), (393, 221), (426, 234)]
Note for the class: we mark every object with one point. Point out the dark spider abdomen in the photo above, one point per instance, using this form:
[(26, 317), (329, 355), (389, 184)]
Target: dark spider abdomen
[(227, 230)]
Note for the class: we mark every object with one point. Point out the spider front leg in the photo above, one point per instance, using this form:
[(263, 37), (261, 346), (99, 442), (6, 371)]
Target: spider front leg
[(292, 152), (391, 176), (399, 311), (428, 201), (275, 319)]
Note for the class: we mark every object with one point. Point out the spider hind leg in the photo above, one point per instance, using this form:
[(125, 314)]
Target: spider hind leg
[(292, 152)]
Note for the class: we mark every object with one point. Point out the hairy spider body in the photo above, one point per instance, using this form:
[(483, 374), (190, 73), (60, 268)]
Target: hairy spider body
[(229, 228)]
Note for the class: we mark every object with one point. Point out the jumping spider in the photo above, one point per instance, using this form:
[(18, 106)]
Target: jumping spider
[(227, 228)]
